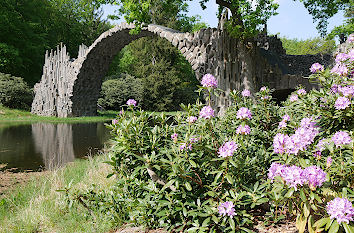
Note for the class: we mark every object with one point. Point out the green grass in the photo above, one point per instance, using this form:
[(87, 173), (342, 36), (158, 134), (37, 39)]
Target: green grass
[(38, 207), (8, 115), (14, 115)]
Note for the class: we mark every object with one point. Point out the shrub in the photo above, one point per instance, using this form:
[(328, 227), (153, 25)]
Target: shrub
[(117, 89), (201, 173), (14, 92)]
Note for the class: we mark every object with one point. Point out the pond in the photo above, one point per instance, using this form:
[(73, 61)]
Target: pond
[(39, 146)]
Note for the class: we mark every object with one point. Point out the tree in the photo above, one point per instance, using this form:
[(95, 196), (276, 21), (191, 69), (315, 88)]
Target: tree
[(322, 10), (344, 30), (247, 19), (29, 27), (309, 46), (167, 78)]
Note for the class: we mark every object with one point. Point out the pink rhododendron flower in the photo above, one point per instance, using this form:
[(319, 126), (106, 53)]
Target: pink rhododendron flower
[(207, 112), (114, 121), (342, 103), (301, 92), (266, 97), (341, 138), (293, 98), (209, 80), (340, 69), (315, 176), (276, 169), (340, 209), (293, 176), (350, 38), (317, 155), (174, 137), (191, 119), (279, 143), (226, 208), (193, 139), (316, 67), (185, 147), (341, 57), (131, 102), (227, 149), (263, 89), (282, 124), (244, 113), (246, 93), (244, 130), (321, 144), (329, 161), (347, 90), (286, 117)]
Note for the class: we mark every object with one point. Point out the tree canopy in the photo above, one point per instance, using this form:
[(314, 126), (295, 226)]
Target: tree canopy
[(29, 27), (322, 10)]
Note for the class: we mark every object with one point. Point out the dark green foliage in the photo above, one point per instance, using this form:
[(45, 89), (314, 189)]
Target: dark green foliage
[(14, 92), (309, 46), (29, 27), (167, 78), (118, 89)]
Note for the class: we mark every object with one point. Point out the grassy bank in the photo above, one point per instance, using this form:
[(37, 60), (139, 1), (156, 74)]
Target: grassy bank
[(38, 207), (14, 115), (19, 116)]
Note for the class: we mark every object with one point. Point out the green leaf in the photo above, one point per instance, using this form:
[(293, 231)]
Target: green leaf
[(306, 209), (334, 227), (290, 192), (188, 186), (301, 222), (232, 223), (347, 228), (229, 178), (320, 223)]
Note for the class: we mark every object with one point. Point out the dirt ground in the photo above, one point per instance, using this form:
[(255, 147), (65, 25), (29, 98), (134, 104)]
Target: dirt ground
[(10, 178), (280, 228)]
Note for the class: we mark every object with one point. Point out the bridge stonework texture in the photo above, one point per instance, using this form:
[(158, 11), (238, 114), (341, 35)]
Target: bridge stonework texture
[(71, 87)]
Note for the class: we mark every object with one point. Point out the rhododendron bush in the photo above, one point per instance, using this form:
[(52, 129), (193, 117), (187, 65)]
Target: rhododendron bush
[(199, 172)]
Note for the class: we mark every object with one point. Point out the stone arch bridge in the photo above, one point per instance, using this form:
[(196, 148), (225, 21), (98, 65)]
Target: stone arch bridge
[(71, 87)]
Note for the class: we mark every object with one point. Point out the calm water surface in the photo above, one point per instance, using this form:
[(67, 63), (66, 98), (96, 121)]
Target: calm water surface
[(45, 146)]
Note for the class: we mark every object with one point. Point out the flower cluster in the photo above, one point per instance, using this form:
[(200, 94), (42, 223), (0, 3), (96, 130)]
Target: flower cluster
[(174, 137), (316, 67), (246, 93), (207, 112), (226, 208), (341, 209), (243, 129), (192, 119), (227, 149), (185, 147), (244, 113), (342, 103), (341, 138), (209, 80), (283, 123), (303, 137), (131, 102), (315, 176), (293, 98), (294, 175), (301, 92)]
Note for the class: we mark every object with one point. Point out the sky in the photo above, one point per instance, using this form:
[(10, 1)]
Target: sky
[(293, 20)]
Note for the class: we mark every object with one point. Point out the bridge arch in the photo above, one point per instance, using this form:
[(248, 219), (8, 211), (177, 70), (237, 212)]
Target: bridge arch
[(73, 86)]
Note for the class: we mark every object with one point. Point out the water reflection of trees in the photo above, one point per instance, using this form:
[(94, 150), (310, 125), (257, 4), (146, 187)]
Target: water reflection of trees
[(54, 142)]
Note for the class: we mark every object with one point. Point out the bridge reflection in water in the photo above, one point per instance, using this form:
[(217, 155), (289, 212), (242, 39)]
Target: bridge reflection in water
[(47, 146)]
